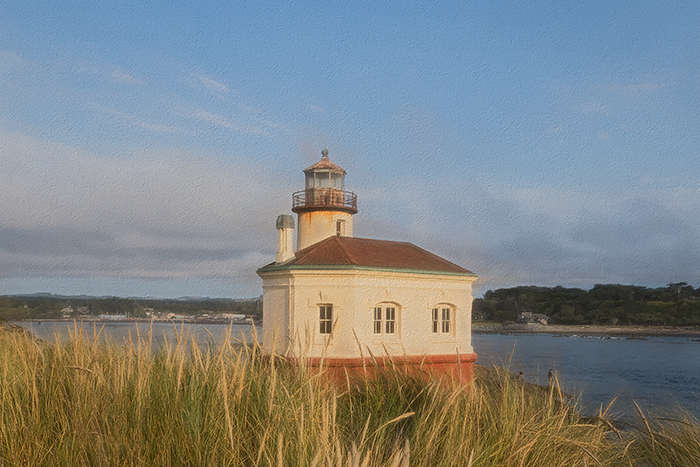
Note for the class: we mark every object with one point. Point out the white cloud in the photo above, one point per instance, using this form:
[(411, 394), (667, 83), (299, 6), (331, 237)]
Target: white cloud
[(10, 61), (273, 125), (161, 215), (124, 77), (107, 71), (523, 236), (173, 215), (218, 120), (139, 122), (213, 86), (213, 118)]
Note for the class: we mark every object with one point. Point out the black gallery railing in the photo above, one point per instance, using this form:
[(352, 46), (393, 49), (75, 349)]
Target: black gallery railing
[(322, 197)]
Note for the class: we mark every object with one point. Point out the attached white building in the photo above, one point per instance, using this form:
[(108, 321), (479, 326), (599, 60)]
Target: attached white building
[(338, 300)]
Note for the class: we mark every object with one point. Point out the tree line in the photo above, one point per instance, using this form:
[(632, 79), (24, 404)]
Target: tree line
[(51, 307), (676, 304)]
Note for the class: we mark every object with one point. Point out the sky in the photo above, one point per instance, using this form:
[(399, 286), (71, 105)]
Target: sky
[(146, 148)]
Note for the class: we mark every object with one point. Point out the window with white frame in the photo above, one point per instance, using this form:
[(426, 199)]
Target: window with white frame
[(325, 319), (443, 316), (385, 319)]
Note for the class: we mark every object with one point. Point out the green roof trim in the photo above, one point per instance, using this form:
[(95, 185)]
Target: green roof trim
[(352, 267)]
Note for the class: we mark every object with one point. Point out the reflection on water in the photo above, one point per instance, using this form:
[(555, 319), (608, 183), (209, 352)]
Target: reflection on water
[(657, 372)]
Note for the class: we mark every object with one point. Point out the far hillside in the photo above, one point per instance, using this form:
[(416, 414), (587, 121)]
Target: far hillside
[(46, 306), (677, 304)]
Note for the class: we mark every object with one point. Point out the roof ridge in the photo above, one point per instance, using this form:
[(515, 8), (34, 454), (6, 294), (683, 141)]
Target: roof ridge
[(342, 249), (433, 254), (380, 240), (309, 248)]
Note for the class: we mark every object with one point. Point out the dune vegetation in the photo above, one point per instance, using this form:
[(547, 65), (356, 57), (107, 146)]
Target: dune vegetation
[(90, 403)]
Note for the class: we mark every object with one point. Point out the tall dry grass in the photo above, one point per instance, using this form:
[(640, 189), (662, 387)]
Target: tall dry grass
[(668, 440), (91, 403)]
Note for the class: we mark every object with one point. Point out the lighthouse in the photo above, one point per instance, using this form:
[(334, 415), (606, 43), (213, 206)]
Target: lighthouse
[(324, 208), (339, 299)]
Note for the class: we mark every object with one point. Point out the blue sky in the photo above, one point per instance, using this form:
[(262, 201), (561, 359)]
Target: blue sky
[(146, 148)]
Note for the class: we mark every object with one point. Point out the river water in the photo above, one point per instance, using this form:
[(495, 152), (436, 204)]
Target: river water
[(117, 331), (659, 373)]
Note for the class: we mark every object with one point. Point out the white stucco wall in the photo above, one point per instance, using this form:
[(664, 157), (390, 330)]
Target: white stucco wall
[(277, 310), (314, 226), (291, 301)]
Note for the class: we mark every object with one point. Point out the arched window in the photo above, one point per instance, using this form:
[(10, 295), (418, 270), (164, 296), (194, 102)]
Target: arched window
[(385, 319), (443, 319)]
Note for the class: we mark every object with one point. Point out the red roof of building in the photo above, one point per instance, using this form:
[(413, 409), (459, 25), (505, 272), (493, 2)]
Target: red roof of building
[(325, 164), (368, 253)]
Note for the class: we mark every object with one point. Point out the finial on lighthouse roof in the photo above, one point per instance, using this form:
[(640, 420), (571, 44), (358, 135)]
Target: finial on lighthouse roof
[(324, 165)]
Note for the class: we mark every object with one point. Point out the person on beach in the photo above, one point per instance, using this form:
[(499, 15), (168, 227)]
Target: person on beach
[(550, 375)]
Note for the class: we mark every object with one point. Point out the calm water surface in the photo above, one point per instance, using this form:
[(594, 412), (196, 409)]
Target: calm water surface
[(657, 373), (120, 330)]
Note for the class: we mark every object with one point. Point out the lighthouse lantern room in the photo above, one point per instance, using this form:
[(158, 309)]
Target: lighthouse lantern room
[(324, 208)]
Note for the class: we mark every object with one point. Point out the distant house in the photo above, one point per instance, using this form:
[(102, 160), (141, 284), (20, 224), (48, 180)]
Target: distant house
[(527, 317), (174, 316), (231, 316), (67, 311), (112, 317)]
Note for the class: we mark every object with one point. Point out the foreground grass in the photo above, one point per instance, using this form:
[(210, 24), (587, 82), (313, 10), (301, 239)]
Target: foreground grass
[(87, 403)]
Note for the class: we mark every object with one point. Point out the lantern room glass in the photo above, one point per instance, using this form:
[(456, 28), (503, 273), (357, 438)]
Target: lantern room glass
[(337, 181), (324, 180)]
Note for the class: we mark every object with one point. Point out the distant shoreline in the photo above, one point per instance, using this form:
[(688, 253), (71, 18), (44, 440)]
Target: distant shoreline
[(247, 321), (588, 330), (554, 329)]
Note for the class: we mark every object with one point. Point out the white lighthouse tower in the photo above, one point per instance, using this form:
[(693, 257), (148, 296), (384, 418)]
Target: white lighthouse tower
[(324, 208)]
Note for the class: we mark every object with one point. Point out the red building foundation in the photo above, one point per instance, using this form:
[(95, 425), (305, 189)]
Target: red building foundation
[(458, 368)]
